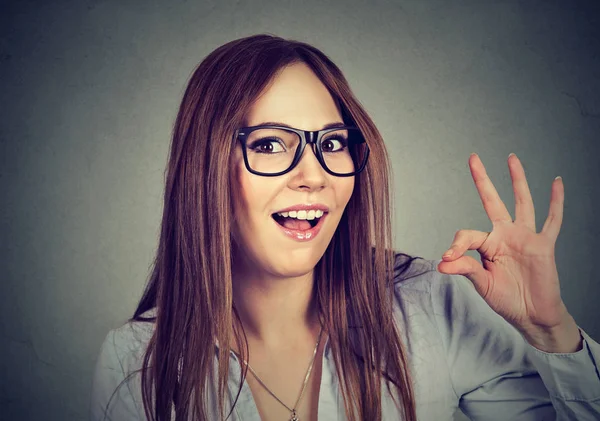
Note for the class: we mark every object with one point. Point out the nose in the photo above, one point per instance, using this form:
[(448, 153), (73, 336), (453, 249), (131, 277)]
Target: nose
[(308, 173)]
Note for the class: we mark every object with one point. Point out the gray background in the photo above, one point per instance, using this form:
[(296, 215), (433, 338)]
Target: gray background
[(90, 90)]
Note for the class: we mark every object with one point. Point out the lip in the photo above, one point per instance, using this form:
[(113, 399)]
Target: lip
[(302, 235), (314, 206)]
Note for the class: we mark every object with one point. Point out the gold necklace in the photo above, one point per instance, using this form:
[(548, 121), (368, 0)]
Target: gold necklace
[(293, 411)]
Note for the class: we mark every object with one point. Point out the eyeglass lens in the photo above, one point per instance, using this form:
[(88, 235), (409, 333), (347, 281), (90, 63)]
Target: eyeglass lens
[(271, 150)]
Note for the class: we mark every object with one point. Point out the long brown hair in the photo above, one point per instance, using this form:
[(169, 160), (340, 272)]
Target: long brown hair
[(191, 282)]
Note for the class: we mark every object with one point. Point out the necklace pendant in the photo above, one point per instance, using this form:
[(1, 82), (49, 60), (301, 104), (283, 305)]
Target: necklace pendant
[(294, 416)]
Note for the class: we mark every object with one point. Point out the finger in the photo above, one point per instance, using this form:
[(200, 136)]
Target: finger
[(464, 240), (524, 210), (469, 267), (555, 214), (493, 205)]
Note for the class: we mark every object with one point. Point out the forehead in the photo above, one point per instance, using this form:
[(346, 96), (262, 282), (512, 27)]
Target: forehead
[(296, 97)]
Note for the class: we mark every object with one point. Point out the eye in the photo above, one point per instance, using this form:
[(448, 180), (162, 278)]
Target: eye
[(335, 143), (267, 146)]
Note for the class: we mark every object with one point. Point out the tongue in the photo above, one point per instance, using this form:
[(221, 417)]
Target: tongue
[(296, 224)]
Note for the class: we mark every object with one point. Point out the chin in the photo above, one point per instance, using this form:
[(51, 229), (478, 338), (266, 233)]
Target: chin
[(294, 267)]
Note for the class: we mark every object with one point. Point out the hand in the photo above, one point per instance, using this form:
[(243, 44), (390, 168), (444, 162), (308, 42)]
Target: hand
[(518, 278)]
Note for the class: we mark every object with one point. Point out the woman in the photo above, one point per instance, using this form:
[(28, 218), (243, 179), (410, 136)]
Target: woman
[(276, 294)]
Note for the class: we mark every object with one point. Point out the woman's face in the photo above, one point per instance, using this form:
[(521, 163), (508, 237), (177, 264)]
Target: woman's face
[(283, 247)]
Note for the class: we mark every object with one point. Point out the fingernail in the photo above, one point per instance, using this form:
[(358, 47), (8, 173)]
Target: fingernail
[(557, 177), (511, 154), (448, 253)]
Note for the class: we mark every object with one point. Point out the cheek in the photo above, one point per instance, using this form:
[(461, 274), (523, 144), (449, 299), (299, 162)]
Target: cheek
[(239, 190), (247, 192), (345, 188), (252, 193)]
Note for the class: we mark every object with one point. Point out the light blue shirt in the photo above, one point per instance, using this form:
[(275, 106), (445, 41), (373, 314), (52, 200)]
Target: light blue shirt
[(461, 353)]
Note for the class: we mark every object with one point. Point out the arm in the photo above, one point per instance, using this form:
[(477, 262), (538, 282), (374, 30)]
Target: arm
[(498, 375)]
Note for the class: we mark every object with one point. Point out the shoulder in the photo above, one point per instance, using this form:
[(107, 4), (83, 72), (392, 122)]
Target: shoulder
[(449, 307), (417, 279), (449, 303), (115, 387), (412, 287), (412, 272), (124, 347)]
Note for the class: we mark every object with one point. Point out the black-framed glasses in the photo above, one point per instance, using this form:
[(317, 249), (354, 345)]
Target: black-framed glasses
[(275, 150)]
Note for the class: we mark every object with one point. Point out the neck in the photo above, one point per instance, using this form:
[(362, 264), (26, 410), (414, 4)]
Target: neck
[(275, 311)]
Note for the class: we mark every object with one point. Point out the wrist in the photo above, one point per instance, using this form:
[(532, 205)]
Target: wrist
[(562, 338)]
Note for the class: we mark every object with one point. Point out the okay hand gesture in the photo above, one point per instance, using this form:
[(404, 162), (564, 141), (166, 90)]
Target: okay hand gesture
[(518, 278)]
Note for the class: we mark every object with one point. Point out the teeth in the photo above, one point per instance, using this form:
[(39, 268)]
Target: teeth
[(302, 214)]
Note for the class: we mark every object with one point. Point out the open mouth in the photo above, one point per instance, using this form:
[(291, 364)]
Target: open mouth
[(300, 225), (295, 223)]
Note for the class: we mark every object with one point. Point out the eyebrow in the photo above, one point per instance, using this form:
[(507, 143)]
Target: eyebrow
[(277, 123)]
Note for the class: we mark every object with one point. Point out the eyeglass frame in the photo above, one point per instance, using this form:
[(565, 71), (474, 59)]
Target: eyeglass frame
[(314, 137)]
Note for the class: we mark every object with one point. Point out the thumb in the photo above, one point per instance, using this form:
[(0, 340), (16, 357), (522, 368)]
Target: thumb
[(468, 267)]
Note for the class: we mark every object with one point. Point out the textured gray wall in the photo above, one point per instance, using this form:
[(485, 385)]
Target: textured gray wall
[(90, 90)]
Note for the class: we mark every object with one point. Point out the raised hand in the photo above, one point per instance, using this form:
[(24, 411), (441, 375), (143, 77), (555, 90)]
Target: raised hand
[(518, 277)]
